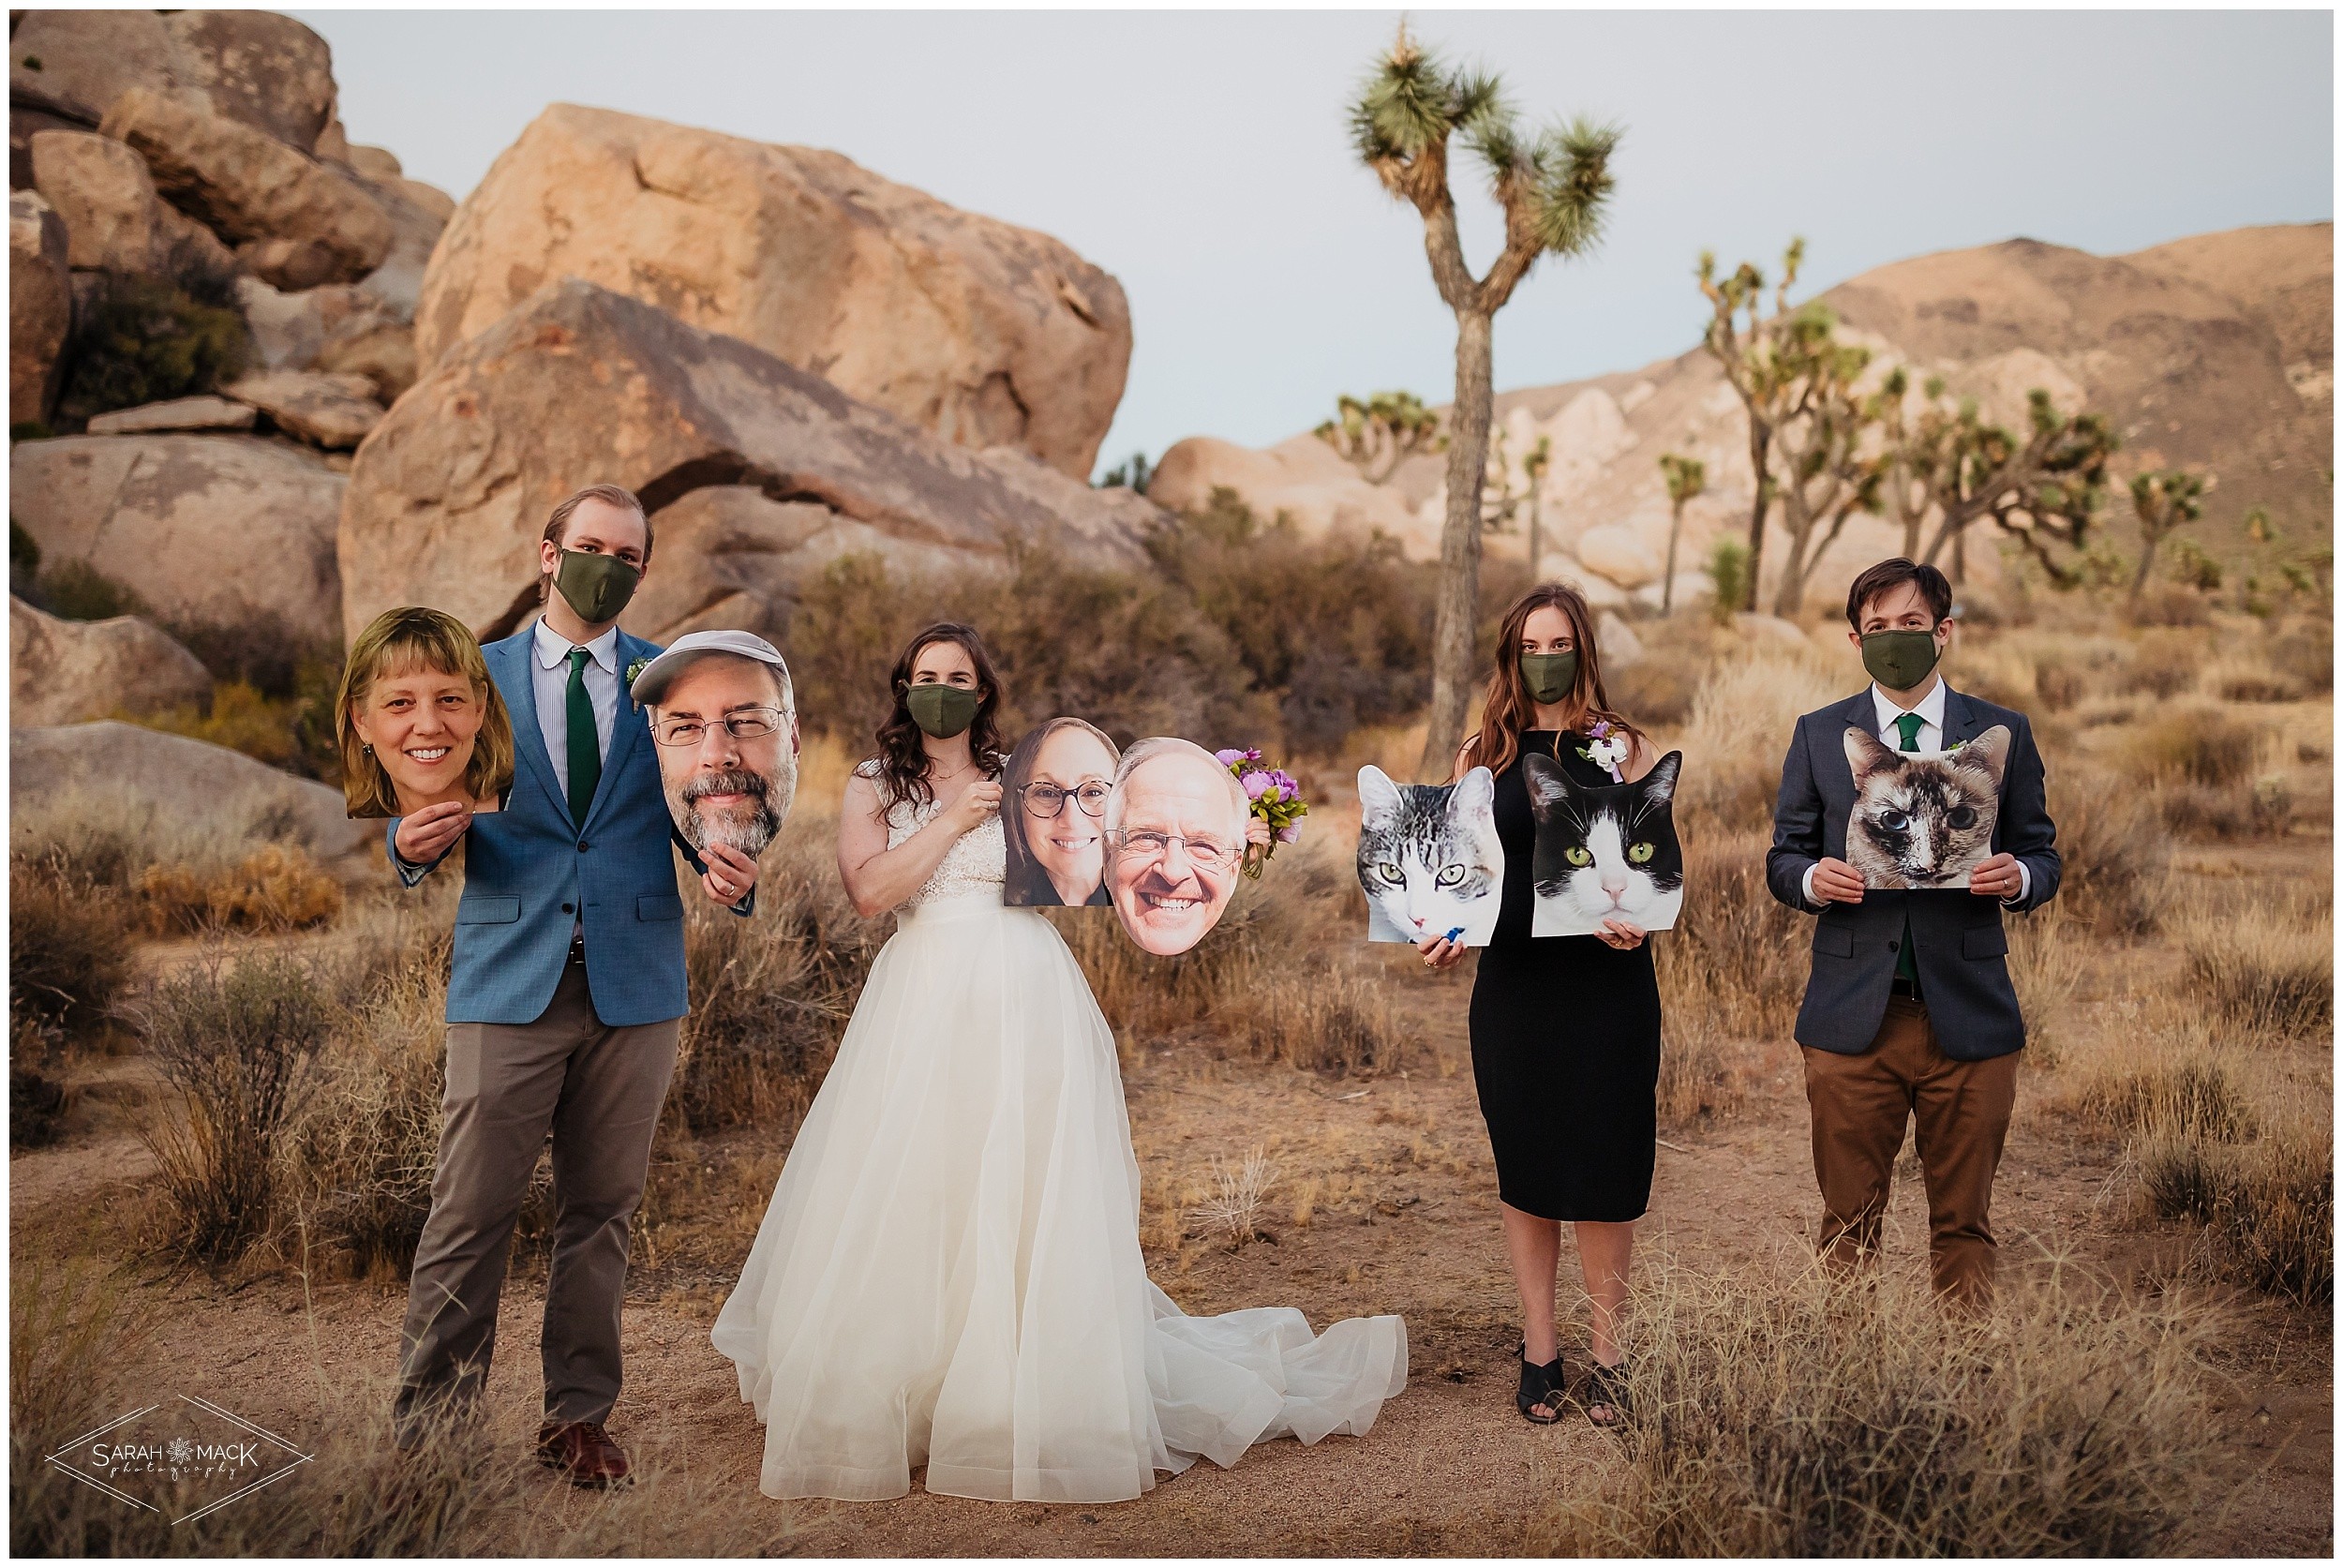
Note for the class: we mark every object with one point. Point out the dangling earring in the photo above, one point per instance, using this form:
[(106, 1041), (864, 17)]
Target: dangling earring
[(366, 746)]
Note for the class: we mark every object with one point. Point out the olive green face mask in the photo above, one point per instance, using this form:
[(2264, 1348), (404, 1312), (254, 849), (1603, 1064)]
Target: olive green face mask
[(1899, 661), (1549, 677), (941, 711), (596, 586)]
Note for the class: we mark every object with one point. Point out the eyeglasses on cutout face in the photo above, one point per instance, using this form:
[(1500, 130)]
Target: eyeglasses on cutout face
[(750, 724), (1047, 801), (1148, 844)]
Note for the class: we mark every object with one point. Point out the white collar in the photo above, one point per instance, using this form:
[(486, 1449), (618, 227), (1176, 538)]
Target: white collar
[(1931, 707), (554, 649)]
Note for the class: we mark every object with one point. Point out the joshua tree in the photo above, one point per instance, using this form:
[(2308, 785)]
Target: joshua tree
[(1745, 351), (2164, 500), (1535, 464), (1686, 477), (1132, 473), (1553, 188), (2042, 490), (1913, 452), (1822, 447), (1377, 436)]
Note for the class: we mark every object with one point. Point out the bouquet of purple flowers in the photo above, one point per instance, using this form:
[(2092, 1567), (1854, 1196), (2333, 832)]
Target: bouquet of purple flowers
[(1276, 800)]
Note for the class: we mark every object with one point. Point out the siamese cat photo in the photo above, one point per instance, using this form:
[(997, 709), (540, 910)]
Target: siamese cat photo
[(1603, 852), (1923, 819), (1429, 858)]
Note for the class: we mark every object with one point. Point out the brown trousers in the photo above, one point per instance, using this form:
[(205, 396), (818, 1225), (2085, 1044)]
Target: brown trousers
[(1961, 1113), (598, 1090)]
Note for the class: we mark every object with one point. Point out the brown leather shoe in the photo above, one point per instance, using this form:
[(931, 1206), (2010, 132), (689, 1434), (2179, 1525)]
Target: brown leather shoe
[(584, 1451)]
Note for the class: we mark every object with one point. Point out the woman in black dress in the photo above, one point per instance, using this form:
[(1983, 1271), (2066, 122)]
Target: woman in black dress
[(1565, 1029)]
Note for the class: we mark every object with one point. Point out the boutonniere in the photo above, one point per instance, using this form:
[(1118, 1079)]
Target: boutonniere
[(634, 669), (1605, 749)]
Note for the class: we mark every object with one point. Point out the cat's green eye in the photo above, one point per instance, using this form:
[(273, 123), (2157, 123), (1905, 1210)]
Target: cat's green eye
[(1579, 857), (1392, 875), (1639, 853), (1449, 876)]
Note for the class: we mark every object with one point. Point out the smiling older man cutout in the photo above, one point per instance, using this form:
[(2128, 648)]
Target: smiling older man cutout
[(1176, 828)]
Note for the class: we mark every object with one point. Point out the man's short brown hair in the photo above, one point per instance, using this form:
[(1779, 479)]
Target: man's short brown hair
[(558, 524), (1888, 576)]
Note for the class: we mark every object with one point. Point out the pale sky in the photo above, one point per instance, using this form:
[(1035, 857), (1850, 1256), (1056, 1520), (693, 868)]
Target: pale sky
[(1201, 156)]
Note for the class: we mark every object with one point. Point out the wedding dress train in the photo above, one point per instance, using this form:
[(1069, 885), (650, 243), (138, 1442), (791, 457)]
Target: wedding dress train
[(949, 1271)]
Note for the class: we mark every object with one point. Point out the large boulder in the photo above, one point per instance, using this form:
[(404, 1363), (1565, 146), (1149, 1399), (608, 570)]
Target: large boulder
[(255, 68), (330, 411), (114, 219), (296, 221), (62, 672), (419, 215), (230, 531), (40, 306), (204, 413), (449, 496), (980, 332), (201, 788), (1302, 478)]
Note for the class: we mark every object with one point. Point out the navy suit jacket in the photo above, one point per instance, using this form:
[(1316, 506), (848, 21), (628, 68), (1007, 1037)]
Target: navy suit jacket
[(531, 873), (1958, 943)]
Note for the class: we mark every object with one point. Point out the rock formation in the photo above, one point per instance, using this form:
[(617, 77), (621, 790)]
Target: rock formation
[(64, 672), (981, 333), (221, 529), (448, 498), (115, 221), (40, 306)]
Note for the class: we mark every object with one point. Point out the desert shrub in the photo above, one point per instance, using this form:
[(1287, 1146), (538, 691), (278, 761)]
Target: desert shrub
[(2267, 1206), (2245, 680), (143, 339), (2163, 662), (2045, 965), (1787, 1414), (231, 1041), (2151, 1084), (2172, 604), (2193, 811), (70, 951), (2059, 687), (274, 887), (2304, 653), (1657, 690), (2264, 964), (2199, 744), (1734, 966), (2113, 849), (236, 716), (770, 993), (73, 590), (1323, 1019), (1728, 579)]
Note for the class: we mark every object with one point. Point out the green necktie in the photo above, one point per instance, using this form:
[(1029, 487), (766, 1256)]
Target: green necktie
[(1909, 726), (585, 746)]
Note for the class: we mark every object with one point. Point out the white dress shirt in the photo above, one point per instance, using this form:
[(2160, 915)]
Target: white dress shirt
[(1932, 739), (550, 673)]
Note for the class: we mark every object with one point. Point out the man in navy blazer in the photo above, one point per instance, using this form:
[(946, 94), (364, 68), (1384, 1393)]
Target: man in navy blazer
[(1909, 1014), (565, 1001)]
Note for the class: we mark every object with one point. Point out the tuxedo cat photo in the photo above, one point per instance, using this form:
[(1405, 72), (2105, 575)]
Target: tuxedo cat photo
[(1429, 858), (1603, 852), (1923, 819)]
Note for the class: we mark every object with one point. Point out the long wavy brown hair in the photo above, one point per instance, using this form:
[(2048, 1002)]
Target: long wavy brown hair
[(902, 756), (1508, 709)]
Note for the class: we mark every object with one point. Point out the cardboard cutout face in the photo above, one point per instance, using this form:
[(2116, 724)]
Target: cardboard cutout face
[(1175, 822), (1429, 858), (1923, 819), (1053, 815), (725, 787), (424, 726), (1607, 852)]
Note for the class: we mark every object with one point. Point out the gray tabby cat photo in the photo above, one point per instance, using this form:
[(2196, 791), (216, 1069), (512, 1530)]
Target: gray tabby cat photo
[(1429, 858), (1923, 819)]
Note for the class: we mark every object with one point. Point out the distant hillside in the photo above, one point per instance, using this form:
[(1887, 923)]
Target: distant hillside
[(2214, 352)]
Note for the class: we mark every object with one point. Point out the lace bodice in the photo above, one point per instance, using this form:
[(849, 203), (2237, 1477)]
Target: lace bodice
[(978, 863)]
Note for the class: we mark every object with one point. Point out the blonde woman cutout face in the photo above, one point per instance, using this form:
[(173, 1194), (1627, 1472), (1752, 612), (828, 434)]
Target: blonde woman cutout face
[(1068, 848), (423, 723)]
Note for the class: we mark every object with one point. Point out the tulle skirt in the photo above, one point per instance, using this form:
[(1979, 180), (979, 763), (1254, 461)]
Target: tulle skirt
[(949, 1271)]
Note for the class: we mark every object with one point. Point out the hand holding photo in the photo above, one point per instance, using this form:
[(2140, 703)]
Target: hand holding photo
[(723, 720), (1429, 858), (1053, 815), (1174, 831), (1276, 803), (1923, 819), (1603, 853), (419, 722)]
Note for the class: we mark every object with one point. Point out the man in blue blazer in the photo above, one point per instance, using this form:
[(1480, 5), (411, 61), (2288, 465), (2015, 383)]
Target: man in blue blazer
[(1909, 1015), (566, 999)]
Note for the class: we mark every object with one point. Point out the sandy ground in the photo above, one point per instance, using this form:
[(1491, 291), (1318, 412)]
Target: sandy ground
[(1407, 1223)]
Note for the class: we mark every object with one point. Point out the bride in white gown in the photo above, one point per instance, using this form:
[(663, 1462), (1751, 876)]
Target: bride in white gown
[(949, 1271)]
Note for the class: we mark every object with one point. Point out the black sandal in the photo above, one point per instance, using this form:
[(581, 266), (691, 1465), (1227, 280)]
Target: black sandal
[(1539, 1385), (1606, 1389)]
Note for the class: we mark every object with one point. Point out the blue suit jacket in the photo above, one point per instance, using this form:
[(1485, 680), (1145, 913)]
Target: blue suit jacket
[(1957, 937), (531, 870)]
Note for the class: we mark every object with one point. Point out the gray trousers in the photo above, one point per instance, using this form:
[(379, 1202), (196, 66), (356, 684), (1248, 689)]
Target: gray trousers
[(599, 1090)]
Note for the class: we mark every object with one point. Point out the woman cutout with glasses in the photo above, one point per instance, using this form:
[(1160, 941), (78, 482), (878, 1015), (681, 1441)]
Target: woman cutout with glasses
[(1056, 786), (949, 1273)]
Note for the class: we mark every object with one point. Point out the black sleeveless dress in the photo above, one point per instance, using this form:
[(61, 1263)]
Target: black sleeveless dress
[(1565, 1040)]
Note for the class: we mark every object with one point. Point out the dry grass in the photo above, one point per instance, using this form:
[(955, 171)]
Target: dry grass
[(275, 887), (2162, 1081), (1233, 1211), (2261, 962), (2112, 850), (1741, 718), (2267, 1206), (1784, 1414), (1735, 962), (69, 942)]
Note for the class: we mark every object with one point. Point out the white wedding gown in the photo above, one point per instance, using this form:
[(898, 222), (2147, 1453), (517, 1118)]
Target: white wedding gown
[(949, 1271)]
